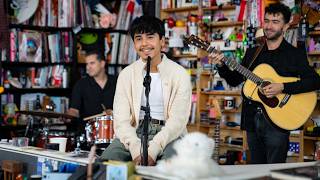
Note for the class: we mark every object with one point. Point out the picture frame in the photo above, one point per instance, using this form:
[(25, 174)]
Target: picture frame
[(188, 3)]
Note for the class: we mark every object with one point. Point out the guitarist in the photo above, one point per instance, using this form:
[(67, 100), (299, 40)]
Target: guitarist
[(267, 142)]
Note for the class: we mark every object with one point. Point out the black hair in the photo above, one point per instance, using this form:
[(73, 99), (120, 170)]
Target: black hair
[(98, 52), (279, 8), (147, 24)]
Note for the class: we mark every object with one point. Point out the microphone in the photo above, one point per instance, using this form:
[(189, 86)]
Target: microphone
[(148, 64), (147, 79)]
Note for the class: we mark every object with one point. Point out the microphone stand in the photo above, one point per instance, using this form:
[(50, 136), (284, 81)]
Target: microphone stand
[(147, 117)]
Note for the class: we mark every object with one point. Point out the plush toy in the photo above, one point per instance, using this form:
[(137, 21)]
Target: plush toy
[(193, 159), (107, 19)]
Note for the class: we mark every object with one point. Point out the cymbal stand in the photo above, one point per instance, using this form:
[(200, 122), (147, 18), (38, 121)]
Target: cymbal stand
[(29, 124), (46, 129)]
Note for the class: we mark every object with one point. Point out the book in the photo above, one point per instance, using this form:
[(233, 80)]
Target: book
[(298, 173)]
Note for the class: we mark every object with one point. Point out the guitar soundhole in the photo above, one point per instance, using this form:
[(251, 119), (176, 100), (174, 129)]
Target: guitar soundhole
[(271, 102)]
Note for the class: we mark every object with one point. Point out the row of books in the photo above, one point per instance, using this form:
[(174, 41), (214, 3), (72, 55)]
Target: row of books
[(72, 13), (118, 49), (56, 76), (179, 3), (292, 36), (56, 13), (34, 46), (123, 51)]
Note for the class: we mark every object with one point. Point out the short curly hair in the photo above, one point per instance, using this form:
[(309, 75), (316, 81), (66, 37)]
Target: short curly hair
[(147, 24), (279, 8)]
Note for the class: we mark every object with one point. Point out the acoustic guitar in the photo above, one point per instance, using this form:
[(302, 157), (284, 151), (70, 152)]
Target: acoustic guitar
[(287, 111)]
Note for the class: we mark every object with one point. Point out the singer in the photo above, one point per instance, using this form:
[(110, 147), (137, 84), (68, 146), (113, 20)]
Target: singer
[(169, 98)]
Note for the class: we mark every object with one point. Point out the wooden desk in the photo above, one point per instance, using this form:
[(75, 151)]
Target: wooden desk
[(29, 156)]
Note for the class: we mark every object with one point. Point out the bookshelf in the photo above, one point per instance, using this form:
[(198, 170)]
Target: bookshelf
[(203, 77), (65, 29)]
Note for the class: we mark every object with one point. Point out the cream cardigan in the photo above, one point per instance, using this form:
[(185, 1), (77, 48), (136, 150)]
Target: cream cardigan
[(177, 93)]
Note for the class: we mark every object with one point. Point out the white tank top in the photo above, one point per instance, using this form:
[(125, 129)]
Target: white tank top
[(155, 98)]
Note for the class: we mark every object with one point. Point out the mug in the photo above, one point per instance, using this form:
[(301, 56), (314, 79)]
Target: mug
[(229, 102)]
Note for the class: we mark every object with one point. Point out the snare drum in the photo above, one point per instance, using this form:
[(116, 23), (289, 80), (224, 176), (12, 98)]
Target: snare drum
[(100, 129)]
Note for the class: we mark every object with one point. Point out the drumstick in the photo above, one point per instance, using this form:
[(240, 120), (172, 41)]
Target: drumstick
[(104, 108), (94, 116), (91, 160)]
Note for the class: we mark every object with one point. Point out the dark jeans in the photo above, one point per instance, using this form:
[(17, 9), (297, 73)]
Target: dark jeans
[(267, 144)]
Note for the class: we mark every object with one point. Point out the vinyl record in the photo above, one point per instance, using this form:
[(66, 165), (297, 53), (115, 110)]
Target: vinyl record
[(26, 9)]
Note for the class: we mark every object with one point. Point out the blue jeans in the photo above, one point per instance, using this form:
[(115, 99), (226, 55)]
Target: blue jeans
[(267, 144)]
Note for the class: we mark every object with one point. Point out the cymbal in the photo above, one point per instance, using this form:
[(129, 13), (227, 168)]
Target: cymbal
[(48, 114)]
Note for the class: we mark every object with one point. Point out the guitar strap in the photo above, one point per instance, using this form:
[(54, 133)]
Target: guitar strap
[(256, 54)]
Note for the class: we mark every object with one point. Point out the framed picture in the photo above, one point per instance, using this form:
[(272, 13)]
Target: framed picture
[(188, 3)]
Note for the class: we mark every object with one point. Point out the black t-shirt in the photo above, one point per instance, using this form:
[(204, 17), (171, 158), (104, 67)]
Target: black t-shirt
[(87, 96)]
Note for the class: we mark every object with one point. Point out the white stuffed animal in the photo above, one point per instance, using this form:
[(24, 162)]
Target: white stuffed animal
[(193, 159)]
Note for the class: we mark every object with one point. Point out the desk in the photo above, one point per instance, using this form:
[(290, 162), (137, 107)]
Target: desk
[(29, 155), (233, 172)]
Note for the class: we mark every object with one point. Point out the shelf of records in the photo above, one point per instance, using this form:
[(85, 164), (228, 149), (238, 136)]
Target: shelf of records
[(55, 76), (40, 47), (75, 13)]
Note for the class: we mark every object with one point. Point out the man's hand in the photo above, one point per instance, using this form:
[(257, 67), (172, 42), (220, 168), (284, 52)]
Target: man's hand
[(137, 161), (108, 112), (273, 89), (216, 58)]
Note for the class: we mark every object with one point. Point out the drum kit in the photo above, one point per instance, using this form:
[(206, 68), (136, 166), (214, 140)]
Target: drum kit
[(98, 129)]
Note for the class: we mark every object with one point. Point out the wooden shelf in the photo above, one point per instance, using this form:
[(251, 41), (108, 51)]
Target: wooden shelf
[(207, 125), (294, 155), (311, 138), (189, 56), (38, 90), (181, 9), (204, 73), (226, 24), (214, 8), (231, 146), (294, 138), (230, 110), (40, 28), (314, 33), (224, 110), (224, 127), (54, 29), (223, 93), (315, 53), (103, 30)]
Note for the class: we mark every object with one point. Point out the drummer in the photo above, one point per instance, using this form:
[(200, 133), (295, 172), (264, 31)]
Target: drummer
[(93, 94)]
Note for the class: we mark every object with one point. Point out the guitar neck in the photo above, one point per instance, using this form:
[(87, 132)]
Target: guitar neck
[(234, 65)]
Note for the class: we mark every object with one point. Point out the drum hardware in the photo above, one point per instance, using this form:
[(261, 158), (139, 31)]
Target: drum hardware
[(29, 124), (99, 128), (46, 119)]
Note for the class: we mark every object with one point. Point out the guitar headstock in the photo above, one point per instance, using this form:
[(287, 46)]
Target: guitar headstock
[(196, 41)]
